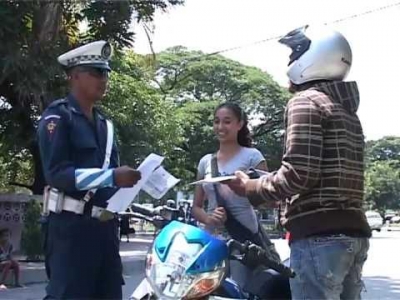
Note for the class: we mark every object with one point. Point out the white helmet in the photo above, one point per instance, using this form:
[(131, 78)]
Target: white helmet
[(170, 203), (318, 53)]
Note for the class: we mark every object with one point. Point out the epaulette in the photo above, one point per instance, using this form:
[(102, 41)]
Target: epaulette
[(61, 105), (58, 102)]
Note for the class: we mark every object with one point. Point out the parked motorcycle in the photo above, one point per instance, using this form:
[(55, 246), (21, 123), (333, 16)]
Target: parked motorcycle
[(186, 216), (186, 262)]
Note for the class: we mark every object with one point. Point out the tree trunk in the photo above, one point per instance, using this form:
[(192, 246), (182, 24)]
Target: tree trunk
[(28, 135), (47, 22), (38, 181)]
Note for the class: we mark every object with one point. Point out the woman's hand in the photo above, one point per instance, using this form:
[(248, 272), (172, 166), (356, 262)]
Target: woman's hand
[(217, 218)]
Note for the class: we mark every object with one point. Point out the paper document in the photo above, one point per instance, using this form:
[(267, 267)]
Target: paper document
[(224, 178), (159, 183), (261, 172), (121, 200), (214, 179)]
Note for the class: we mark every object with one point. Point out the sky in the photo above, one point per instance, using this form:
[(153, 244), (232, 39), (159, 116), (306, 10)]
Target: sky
[(211, 25)]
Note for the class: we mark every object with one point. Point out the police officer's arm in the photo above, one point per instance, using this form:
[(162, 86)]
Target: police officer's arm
[(58, 167)]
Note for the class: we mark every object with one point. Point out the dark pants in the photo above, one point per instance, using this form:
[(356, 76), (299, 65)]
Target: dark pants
[(82, 258)]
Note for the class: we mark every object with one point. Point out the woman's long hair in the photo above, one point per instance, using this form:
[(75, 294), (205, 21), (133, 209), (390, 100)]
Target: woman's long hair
[(244, 137)]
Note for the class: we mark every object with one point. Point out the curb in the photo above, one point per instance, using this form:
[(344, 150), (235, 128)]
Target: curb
[(35, 273), (31, 273)]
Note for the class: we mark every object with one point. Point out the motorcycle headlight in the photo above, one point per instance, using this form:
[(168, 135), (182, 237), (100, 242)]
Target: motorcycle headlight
[(205, 283), (170, 280)]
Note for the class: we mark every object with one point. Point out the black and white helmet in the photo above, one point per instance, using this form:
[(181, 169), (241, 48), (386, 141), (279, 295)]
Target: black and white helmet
[(318, 53), (170, 203)]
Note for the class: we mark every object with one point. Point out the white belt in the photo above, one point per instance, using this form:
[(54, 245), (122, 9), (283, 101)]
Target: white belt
[(57, 202)]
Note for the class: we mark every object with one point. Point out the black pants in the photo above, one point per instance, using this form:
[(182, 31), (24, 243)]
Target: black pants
[(82, 258)]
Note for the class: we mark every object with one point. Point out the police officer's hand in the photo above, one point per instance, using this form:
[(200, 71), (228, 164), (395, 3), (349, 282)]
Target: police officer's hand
[(126, 177)]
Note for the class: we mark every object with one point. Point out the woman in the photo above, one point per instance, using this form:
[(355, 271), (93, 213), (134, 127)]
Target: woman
[(235, 153)]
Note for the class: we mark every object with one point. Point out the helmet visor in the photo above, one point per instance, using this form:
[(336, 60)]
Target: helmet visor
[(297, 41)]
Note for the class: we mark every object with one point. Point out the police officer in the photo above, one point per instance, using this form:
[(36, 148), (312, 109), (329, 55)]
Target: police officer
[(81, 168)]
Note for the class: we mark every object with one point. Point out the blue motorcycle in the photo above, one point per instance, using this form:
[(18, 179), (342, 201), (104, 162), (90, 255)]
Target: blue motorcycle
[(186, 262)]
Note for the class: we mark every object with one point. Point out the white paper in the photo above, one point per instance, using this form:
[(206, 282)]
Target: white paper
[(159, 183), (214, 179), (121, 200), (261, 172), (224, 178)]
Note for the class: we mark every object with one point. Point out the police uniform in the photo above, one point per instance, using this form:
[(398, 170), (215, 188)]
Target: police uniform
[(82, 246)]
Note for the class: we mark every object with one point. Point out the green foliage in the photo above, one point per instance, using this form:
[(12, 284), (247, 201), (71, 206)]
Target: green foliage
[(32, 238), (382, 185), (196, 121), (33, 34), (197, 83), (145, 122), (382, 174), (387, 148), (164, 105)]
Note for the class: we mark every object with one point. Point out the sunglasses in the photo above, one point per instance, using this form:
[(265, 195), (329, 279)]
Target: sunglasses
[(95, 72)]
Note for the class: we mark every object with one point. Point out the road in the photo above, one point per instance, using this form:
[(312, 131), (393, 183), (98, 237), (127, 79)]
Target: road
[(381, 272)]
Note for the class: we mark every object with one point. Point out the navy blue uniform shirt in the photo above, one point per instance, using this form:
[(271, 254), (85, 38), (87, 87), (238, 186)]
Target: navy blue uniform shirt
[(68, 140)]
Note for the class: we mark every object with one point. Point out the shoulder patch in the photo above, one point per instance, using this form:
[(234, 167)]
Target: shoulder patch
[(51, 126)]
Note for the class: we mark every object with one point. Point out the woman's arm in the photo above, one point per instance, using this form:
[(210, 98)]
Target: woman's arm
[(198, 203), (217, 217), (262, 166)]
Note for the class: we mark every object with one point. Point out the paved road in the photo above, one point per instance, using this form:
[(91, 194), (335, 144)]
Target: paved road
[(136, 249), (381, 272), (382, 269)]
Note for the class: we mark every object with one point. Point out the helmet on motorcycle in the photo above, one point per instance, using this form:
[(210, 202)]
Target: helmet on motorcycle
[(170, 203), (318, 53)]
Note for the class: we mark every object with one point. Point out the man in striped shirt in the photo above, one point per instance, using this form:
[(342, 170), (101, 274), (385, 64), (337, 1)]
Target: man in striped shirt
[(321, 180)]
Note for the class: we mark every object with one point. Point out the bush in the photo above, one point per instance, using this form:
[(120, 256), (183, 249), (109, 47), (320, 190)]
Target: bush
[(32, 238)]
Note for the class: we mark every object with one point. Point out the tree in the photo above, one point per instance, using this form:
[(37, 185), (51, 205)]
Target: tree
[(197, 83), (386, 148), (196, 121), (382, 185), (33, 34), (144, 121), (382, 177)]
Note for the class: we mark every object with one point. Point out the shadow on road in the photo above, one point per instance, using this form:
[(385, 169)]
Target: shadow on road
[(380, 287)]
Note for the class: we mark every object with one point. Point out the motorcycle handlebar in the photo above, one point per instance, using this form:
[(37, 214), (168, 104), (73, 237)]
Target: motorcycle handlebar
[(141, 209), (258, 254), (154, 214), (140, 216)]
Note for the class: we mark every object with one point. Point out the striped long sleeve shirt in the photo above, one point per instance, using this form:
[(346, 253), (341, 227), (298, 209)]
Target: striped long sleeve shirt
[(321, 178)]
